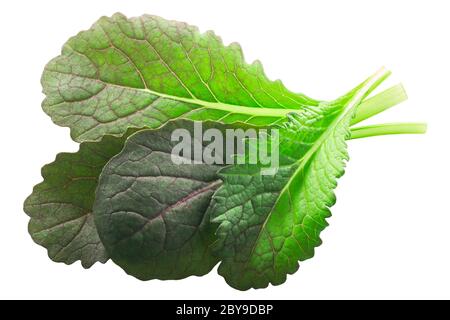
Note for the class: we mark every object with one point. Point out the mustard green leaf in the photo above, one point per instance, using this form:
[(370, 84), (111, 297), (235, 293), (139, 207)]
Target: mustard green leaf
[(144, 71), (60, 207), (150, 211), (268, 223)]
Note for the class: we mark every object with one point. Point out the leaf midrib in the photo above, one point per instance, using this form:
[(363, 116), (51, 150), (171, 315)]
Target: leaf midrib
[(209, 186), (230, 108)]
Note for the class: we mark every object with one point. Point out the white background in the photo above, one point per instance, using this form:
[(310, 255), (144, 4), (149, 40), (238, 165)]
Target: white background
[(389, 236)]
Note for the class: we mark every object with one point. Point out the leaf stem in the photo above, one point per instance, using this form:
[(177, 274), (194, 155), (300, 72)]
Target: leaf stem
[(379, 103), (384, 74), (388, 129)]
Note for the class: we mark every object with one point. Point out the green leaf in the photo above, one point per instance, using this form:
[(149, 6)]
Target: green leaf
[(150, 212), (142, 72), (269, 223), (61, 206)]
